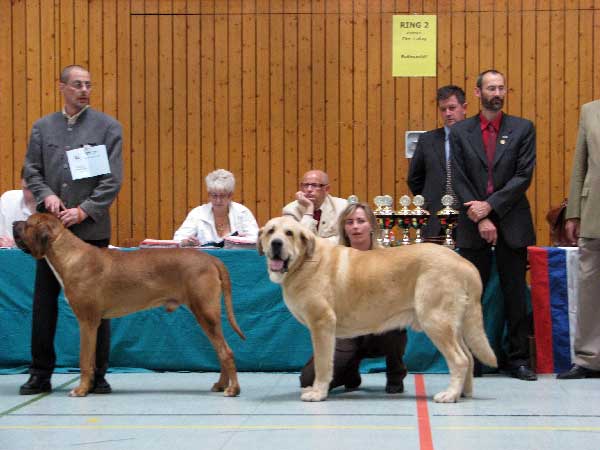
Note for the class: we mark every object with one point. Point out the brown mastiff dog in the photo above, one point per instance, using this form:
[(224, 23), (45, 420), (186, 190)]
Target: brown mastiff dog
[(102, 283), (338, 291)]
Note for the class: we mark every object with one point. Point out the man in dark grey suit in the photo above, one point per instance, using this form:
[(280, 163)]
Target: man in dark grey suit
[(82, 204), (493, 157), (427, 175)]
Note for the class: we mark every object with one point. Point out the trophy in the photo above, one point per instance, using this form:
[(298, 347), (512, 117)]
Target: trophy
[(404, 216), (448, 219), (385, 218), (353, 199), (420, 217)]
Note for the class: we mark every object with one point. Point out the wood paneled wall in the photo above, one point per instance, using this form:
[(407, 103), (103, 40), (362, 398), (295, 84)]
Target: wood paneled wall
[(271, 88)]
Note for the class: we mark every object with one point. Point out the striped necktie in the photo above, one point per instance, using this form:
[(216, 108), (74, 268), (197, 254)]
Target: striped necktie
[(449, 189)]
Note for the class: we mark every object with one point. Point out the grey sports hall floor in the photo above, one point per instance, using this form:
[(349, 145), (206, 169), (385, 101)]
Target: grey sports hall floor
[(177, 411)]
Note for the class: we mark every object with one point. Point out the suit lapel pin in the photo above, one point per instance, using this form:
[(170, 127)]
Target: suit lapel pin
[(503, 140)]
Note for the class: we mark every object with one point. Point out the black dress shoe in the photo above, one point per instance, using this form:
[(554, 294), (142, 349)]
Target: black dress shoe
[(101, 386), (577, 373), (352, 382), (523, 373), (36, 385), (394, 388)]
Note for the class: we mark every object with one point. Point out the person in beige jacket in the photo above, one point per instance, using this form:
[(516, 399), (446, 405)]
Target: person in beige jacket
[(583, 229), (314, 207)]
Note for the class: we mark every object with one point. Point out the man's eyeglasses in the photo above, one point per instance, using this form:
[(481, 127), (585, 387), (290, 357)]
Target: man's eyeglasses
[(79, 85), (305, 186)]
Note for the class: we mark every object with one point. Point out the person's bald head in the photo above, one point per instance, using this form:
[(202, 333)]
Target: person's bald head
[(315, 186)]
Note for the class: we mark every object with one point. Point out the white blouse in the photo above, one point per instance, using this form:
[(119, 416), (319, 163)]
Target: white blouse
[(200, 223)]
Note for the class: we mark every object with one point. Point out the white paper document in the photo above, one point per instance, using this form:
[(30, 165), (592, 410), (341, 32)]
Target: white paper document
[(88, 161)]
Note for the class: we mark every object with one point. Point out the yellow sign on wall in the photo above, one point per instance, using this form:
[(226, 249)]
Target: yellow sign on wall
[(414, 46)]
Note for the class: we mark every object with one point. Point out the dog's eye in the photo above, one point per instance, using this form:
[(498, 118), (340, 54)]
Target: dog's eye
[(289, 233), (271, 231)]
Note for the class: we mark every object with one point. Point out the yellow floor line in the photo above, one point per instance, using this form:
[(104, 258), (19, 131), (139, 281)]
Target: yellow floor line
[(517, 428), (205, 427), (298, 427)]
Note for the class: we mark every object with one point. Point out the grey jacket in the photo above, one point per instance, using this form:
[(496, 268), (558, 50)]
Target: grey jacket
[(47, 168), (584, 192)]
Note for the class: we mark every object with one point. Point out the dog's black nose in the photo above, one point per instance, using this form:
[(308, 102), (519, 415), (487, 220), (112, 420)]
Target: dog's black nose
[(17, 226), (276, 245)]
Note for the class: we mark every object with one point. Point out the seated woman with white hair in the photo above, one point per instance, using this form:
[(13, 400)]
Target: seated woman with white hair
[(209, 223)]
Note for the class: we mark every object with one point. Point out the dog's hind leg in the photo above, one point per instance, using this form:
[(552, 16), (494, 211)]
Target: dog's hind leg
[(209, 318), (468, 385), (446, 340), (88, 332)]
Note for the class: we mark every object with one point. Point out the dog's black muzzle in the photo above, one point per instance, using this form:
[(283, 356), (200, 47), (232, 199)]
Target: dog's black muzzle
[(18, 227), (276, 246)]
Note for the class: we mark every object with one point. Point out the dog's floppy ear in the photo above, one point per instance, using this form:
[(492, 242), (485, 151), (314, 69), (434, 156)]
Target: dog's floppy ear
[(259, 243), (41, 241), (309, 243)]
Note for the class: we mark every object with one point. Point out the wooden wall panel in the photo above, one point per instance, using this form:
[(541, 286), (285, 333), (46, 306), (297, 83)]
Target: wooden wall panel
[(542, 116), (271, 88), (152, 127), (123, 31), (262, 174), (276, 121), (333, 123), (8, 178), (18, 74)]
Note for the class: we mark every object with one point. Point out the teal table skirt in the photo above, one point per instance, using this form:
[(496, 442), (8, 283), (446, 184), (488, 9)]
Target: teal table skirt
[(157, 340)]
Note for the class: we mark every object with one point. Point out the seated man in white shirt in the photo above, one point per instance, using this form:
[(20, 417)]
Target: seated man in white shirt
[(14, 205), (314, 207), (209, 223)]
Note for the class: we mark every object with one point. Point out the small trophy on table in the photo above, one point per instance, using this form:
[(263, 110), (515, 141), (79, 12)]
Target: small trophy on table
[(404, 216), (448, 219), (420, 217), (385, 217), (353, 199)]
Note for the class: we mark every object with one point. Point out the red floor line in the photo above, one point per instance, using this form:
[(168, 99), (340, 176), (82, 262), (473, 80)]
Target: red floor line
[(425, 440)]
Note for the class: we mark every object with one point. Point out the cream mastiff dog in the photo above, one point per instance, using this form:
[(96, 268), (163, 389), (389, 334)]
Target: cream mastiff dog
[(338, 291), (102, 283)]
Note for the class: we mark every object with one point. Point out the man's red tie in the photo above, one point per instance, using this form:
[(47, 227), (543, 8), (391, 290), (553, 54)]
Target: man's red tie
[(490, 151), (317, 217)]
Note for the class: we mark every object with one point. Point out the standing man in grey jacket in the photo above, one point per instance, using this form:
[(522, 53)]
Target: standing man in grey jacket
[(80, 198), (583, 228)]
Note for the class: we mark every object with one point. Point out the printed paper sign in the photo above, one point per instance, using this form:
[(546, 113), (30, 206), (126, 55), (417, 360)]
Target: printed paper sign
[(414, 45)]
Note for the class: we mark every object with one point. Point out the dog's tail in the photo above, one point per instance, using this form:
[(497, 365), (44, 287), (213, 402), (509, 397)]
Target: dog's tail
[(226, 288), (473, 330)]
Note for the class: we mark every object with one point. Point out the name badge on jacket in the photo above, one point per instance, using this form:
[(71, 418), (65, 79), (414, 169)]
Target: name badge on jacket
[(88, 161)]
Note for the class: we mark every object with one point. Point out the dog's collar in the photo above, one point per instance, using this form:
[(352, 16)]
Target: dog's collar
[(59, 235)]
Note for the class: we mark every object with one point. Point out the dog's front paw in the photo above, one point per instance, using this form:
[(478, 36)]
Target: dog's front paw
[(313, 394), (232, 391), (79, 391), (445, 397), (217, 387)]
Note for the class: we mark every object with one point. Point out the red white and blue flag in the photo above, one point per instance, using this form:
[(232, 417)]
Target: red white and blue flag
[(554, 301)]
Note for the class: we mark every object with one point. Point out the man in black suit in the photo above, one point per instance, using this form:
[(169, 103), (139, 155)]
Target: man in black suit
[(493, 157), (427, 175)]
